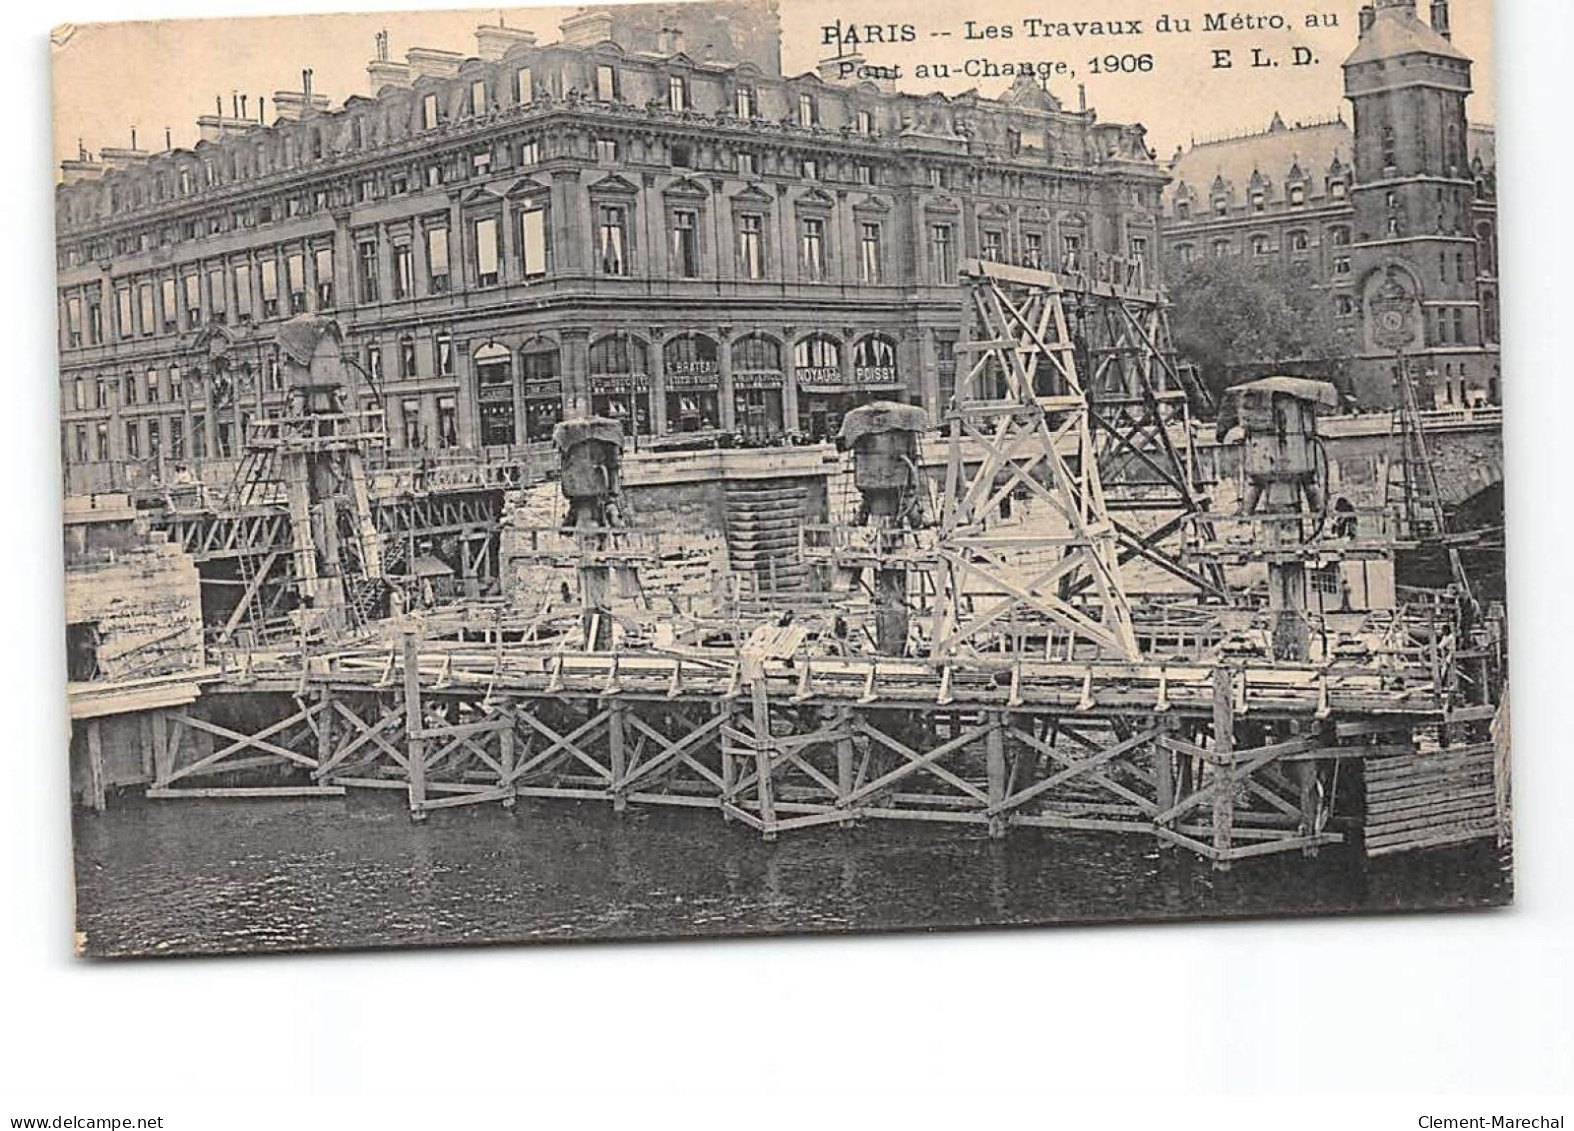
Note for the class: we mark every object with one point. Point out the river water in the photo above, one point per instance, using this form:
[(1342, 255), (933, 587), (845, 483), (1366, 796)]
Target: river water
[(207, 877)]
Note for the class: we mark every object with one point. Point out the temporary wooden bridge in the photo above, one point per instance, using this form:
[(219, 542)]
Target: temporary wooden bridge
[(1040, 700)]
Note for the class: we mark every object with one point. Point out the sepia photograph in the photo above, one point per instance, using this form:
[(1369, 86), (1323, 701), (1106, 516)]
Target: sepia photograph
[(754, 467)]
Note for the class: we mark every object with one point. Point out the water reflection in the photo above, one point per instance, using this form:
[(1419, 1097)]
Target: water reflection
[(206, 877)]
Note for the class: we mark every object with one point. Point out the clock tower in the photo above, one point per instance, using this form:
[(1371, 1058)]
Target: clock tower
[(1414, 251)]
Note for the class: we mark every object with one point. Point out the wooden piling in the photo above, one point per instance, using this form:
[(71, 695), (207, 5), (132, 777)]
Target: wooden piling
[(762, 755), (844, 758), (995, 766), (506, 754), (617, 754), (95, 765), (413, 726), (1224, 748), (1164, 779)]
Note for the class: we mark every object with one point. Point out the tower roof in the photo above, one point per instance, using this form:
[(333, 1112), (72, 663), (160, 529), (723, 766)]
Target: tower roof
[(1397, 31)]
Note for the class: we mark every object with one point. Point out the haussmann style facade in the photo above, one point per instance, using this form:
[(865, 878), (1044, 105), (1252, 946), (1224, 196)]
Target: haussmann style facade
[(641, 221)]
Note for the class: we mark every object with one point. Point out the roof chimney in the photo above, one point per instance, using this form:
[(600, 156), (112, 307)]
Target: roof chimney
[(242, 113), (306, 85), (382, 46), (1440, 19), (167, 145), (1368, 18), (133, 137)]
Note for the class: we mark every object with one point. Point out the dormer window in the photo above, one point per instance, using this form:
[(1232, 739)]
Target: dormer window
[(677, 93), (478, 97), (524, 87), (864, 123), (1336, 189), (429, 112), (746, 103), (808, 112), (1297, 195), (606, 82), (1183, 209), (1259, 202)]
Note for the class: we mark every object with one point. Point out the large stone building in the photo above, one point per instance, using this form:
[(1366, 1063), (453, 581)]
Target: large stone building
[(642, 221), (1394, 217)]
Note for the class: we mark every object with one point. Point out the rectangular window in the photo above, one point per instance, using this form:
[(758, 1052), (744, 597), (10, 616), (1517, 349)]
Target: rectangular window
[(812, 245), (366, 269), (1071, 252), (101, 393), (808, 113), (1032, 249), (437, 259), (992, 246), (447, 422), (374, 361), (869, 252), (524, 88), (745, 103), (607, 150), (685, 244), (410, 410), (942, 253), (478, 100), (133, 440), (145, 308), (865, 173), (407, 357), (193, 289), (242, 275), (123, 312), (681, 156), (486, 252), (533, 242), (322, 264), (177, 385), (199, 437), (530, 153), (677, 93), (270, 288), (606, 83), (153, 386), (1342, 265), (177, 438), (429, 112), (751, 246), (95, 323), (168, 319), (79, 394), (403, 271), (80, 448), (73, 321), (612, 240), (129, 389), (748, 165), (101, 440), (865, 122), (809, 168), (295, 280), (443, 354)]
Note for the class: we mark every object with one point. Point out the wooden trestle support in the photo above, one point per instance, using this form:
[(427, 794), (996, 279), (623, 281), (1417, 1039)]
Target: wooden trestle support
[(1195, 757)]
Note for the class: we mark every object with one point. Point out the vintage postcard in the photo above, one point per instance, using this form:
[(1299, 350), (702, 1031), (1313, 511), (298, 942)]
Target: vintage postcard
[(747, 467)]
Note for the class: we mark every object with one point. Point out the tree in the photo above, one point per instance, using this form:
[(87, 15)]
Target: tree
[(1236, 320)]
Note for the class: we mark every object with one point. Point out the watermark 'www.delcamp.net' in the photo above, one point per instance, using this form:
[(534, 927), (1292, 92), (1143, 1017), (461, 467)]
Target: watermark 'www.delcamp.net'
[(91, 1122)]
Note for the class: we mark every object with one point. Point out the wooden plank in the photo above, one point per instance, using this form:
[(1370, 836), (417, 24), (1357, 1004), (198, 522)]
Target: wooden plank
[(238, 792)]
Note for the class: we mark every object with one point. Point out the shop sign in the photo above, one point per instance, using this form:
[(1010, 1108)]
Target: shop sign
[(758, 379), (876, 375), (612, 384), (821, 375), (537, 390)]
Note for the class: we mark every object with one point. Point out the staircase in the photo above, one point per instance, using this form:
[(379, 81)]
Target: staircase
[(764, 518)]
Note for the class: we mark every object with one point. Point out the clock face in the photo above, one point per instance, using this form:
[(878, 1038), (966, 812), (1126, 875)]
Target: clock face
[(1392, 321)]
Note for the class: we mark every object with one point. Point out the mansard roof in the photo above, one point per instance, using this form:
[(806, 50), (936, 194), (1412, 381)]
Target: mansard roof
[(1397, 32)]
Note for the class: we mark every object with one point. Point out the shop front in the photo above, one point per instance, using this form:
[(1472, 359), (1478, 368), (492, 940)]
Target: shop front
[(543, 393), (620, 383), (828, 390), (691, 376), (494, 394), (758, 382)]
